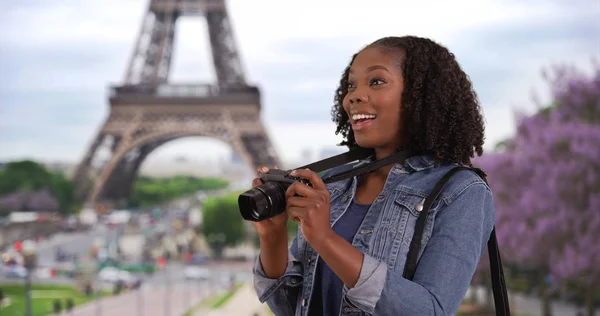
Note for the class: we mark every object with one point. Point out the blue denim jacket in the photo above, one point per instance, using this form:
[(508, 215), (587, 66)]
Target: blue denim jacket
[(456, 233)]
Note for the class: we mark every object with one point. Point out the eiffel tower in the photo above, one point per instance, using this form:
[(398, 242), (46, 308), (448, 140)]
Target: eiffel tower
[(147, 111)]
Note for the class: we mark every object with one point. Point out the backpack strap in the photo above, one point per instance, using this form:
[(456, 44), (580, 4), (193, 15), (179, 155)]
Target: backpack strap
[(498, 281)]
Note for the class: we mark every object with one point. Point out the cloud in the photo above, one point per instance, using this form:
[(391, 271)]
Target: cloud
[(58, 57), (504, 62)]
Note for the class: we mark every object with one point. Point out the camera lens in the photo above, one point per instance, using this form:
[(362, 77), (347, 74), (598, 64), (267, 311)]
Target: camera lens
[(262, 202), (253, 203)]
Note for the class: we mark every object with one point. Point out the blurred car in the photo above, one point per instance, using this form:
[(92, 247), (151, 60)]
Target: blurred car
[(114, 275), (15, 271), (196, 273)]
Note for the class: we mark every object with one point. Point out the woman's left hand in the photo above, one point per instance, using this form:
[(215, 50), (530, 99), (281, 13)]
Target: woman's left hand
[(309, 206)]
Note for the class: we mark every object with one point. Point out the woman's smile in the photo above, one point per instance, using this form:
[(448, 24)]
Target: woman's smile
[(361, 124)]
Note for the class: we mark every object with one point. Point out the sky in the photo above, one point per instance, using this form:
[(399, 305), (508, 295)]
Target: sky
[(57, 58)]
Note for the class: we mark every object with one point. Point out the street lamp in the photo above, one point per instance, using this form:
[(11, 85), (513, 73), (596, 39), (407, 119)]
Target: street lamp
[(29, 261)]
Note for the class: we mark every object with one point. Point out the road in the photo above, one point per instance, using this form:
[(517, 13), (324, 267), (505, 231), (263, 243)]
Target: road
[(79, 243), (76, 243), (220, 274)]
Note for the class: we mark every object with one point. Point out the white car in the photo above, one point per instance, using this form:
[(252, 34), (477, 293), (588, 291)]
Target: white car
[(114, 275), (196, 273), (15, 271)]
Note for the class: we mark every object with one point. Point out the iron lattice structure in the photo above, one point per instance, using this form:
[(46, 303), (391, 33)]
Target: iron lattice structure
[(147, 111)]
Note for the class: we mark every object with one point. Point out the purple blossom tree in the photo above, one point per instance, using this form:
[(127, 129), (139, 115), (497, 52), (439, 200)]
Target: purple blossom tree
[(546, 184)]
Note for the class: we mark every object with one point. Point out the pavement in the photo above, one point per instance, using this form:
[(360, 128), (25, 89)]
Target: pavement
[(174, 301), (243, 303), (168, 293), (150, 301)]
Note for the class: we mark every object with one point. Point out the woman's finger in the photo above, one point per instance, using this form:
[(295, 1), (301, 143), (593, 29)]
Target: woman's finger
[(298, 213), (256, 182), (298, 201), (313, 177), (262, 169), (301, 189)]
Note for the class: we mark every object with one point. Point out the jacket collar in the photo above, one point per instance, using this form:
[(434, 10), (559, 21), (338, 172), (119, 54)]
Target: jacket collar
[(418, 163), (414, 163)]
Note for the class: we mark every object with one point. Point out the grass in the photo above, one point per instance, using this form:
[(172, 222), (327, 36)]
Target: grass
[(214, 301), (211, 300), (42, 298), (222, 300)]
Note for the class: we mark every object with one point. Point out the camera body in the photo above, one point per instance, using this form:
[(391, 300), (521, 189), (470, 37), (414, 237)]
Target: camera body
[(268, 199)]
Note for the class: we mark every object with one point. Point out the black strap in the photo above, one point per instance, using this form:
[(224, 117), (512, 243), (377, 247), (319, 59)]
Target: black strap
[(353, 155), (338, 160), (498, 281)]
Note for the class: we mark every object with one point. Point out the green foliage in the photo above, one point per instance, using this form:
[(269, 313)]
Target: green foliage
[(222, 224), (43, 298), (24, 175), (63, 190), (225, 298), (31, 176), (152, 191)]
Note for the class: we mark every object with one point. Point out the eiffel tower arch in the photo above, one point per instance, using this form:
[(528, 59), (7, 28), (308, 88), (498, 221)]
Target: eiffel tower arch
[(147, 111)]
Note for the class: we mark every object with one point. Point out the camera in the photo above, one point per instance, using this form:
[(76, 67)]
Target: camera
[(268, 199)]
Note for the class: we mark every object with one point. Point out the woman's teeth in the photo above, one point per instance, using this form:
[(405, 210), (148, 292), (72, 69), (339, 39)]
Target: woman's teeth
[(357, 117)]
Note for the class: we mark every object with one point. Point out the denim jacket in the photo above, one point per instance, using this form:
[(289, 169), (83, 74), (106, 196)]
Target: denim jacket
[(457, 229)]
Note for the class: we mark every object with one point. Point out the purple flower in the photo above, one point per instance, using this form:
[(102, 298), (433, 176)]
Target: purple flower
[(547, 184)]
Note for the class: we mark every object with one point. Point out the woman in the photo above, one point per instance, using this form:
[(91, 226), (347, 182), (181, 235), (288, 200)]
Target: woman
[(348, 257)]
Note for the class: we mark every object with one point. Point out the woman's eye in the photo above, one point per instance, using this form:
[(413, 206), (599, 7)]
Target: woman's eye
[(350, 85), (375, 82)]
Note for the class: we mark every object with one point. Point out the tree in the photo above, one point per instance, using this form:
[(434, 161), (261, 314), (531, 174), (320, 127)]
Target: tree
[(546, 185), (23, 175), (31, 176), (222, 224), (63, 190)]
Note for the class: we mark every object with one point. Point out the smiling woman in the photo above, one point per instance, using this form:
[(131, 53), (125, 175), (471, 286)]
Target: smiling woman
[(351, 254)]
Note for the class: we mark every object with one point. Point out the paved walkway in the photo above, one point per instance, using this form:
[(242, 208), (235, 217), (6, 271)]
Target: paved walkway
[(243, 303), (149, 302)]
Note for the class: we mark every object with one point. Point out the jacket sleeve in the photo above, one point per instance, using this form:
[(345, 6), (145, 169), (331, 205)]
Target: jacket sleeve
[(445, 269), (280, 294)]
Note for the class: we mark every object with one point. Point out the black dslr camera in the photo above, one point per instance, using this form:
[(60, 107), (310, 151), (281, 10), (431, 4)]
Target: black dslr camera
[(268, 199)]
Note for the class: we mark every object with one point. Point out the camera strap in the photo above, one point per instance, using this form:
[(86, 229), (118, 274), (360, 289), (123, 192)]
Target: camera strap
[(353, 155)]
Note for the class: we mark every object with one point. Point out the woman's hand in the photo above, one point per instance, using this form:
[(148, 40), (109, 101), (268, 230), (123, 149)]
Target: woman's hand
[(310, 206), (275, 226)]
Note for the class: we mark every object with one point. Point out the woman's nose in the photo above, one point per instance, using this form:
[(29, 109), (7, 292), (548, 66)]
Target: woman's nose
[(358, 96)]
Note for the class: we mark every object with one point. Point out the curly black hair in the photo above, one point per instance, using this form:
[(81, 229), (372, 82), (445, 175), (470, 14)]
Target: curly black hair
[(441, 114)]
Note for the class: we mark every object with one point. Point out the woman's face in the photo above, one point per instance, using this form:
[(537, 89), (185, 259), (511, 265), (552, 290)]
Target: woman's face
[(373, 102)]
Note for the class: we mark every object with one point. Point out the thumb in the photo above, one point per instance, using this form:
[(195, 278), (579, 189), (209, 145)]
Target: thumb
[(256, 182)]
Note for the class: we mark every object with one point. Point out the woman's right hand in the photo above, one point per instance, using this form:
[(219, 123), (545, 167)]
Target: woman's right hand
[(275, 226)]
